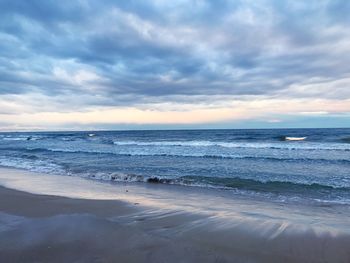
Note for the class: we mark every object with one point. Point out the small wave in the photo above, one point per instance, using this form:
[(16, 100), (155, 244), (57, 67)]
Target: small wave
[(192, 155), (118, 177), (316, 191), (276, 187), (237, 145), (345, 140), (25, 138), (15, 138), (273, 190), (32, 163), (295, 138), (170, 143), (223, 183), (270, 186)]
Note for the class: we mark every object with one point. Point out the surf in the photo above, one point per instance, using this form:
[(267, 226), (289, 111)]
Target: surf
[(295, 138)]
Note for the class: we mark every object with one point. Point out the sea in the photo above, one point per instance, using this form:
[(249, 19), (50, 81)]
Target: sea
[(279, 165)]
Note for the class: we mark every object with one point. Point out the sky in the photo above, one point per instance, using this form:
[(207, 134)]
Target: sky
[(159, 64)]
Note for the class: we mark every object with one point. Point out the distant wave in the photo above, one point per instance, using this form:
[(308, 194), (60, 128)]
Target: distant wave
[(173, 143), (295, 138), (23, 138), (34, 137), (193, 155), (252, 145), (235, 140), (346, 140)]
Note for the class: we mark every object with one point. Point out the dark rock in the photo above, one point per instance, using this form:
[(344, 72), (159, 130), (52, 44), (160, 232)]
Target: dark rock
[(154, 180)]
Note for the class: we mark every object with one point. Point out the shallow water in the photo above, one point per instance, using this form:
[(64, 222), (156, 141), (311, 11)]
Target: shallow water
[(214, 203)]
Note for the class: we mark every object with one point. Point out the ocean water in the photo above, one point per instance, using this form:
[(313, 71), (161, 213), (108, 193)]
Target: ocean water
[(281, 165)]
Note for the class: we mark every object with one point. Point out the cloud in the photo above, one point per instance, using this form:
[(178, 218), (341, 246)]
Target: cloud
[(68, 56)]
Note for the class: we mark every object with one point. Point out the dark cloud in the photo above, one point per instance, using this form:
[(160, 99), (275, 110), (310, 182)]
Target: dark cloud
[(97, 51), (338, 11), (45, 12)]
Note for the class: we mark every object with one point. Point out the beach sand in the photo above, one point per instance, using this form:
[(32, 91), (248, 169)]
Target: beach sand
[(54, 228)]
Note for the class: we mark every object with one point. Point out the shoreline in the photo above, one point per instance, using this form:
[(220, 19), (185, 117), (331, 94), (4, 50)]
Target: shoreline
[(146, 224)]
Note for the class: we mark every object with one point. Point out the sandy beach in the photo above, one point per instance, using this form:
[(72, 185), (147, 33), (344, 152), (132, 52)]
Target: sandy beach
[(55, 228)]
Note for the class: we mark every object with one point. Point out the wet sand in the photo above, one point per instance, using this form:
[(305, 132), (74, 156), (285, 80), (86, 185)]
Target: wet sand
[(136, 225)]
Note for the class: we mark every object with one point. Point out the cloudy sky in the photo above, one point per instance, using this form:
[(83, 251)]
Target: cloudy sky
[(84, 64)]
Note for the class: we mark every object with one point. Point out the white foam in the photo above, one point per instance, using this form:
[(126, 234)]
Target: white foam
[(253, 145), (43, 166), (295, 138)]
